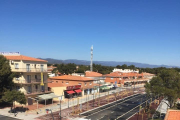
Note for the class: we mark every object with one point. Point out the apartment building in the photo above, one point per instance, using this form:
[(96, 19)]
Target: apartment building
[(30, 74), (122, 78)]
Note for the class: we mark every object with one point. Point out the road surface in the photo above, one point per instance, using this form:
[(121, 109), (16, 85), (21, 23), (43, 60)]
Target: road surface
[(118, 110)]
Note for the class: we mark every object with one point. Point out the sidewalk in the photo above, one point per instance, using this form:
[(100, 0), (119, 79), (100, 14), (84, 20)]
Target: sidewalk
[(41, 111)]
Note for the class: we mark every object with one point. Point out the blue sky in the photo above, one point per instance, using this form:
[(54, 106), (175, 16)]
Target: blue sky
[(145, 31)]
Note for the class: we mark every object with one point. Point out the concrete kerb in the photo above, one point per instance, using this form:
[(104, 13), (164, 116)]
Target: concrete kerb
[(107, 104)]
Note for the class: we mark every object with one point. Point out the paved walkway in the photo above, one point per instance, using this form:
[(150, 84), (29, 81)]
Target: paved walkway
[(41, 111)]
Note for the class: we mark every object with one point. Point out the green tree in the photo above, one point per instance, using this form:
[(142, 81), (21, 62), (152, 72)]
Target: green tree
[(167, 83), (118, 66), (132, 67), (124, 66), (6, 75), (11, 96), (66, 68)]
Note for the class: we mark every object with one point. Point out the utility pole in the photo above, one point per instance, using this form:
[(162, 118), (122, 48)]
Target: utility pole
[(91, 65)]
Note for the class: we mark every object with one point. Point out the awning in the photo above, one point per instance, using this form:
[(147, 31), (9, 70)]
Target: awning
[(70, 92), (78, 91), (47, 96)]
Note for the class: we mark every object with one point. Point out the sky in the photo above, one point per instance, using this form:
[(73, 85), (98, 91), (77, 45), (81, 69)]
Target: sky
[(144, 31)]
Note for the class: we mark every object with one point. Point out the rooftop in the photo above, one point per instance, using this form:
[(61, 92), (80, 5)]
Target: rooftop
[(22, 57), (69, 77), (92, 74), (120, 74), (172, 115)]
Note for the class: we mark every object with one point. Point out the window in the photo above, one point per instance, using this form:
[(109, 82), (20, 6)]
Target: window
[(36, 86), (67, 82), (28, 67), (56, 81), (29, 78), (42, 68), (16, 66), (111, 78), (34, 65), (36, 77), (29, 89)]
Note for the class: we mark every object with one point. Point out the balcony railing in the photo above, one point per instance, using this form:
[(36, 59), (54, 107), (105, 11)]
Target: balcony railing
[(28, 70), (29, 81), (37, 91)]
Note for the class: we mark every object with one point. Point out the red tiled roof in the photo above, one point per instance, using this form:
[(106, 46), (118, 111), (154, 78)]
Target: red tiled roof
[(69, 77), (173, 115), (114, 74), (22, 57), (92, 74), (120, 74)]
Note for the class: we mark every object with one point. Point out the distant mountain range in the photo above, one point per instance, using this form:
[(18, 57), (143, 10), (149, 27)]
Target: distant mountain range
[(104, 63)]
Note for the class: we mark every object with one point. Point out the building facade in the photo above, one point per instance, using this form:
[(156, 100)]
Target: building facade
[(30, 74), (67, 85)]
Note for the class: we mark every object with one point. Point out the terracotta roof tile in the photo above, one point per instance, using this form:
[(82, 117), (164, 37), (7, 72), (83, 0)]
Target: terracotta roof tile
[(173, 115), (120, 74), (69, 77), (22, 57), (92, 74)]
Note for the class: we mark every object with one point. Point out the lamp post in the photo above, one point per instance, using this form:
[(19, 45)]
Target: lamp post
[(60, 98)]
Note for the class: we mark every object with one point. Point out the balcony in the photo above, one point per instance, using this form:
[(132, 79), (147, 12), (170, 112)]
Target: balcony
[(28, 70), (30, 81), (37, 91)]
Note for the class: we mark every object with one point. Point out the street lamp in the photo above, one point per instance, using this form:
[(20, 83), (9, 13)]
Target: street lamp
[(60, 98)]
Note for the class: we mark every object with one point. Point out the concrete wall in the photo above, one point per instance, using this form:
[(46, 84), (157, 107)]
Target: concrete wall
[(58, 91)]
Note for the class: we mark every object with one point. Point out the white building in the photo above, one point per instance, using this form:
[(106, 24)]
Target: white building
[(125, 70)]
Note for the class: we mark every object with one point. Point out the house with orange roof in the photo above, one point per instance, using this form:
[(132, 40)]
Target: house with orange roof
[(71, 86), (115, 78), (98, 77), (31, 75), (122, 78)]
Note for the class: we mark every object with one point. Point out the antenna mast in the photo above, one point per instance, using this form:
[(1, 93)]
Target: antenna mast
[(91, 65)]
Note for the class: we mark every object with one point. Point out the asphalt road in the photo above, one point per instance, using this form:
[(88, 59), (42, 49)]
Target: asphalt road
[(117, 110), (2, 117)]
